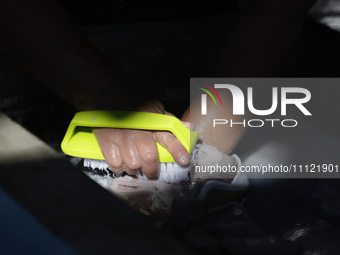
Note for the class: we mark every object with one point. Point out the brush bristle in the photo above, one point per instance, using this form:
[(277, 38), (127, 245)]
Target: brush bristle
[(168, 172), (173, 172), (96, 164)]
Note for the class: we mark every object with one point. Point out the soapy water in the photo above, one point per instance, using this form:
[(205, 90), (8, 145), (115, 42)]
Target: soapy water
[(154, 196)]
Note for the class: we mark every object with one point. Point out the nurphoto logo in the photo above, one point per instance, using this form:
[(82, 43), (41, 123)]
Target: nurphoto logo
[(238, 106)]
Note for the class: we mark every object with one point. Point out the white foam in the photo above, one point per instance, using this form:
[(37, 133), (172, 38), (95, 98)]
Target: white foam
[(96, 163), (173, 172)]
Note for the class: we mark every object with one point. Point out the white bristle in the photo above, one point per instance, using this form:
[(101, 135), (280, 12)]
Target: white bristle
[(96, 163), (173, 172), (168, 172)]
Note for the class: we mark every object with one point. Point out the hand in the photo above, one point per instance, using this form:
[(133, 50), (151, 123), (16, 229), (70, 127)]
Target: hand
[(135, 150)]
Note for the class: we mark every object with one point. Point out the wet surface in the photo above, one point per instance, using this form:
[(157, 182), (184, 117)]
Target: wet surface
[(272, 217)]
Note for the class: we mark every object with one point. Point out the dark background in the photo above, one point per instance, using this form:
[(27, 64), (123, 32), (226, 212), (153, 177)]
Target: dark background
[(157, 46)]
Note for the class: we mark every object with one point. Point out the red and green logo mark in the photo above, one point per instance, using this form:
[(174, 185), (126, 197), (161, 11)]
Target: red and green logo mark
[(204, 97)]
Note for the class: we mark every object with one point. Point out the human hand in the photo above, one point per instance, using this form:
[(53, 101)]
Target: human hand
[(135, 150)]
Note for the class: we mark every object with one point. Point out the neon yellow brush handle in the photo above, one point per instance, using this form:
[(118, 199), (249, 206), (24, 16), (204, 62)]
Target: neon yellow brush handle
[(79, 140)]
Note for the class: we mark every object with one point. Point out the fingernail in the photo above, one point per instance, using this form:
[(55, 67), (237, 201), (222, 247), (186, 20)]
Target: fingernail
[(184, 159)]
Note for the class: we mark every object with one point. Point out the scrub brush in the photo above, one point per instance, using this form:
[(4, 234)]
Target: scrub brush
[(79, 140)]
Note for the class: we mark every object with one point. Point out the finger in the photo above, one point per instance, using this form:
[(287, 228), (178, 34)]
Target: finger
[(148, 154), (128, 151), (169, 113), (107, 139), (153, 106), (114, 160), (173, 145), (175, 148)]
